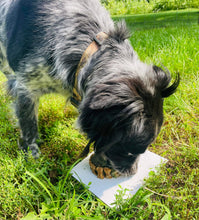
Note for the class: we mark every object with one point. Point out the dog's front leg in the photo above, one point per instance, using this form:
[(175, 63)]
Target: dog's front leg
[(26, 111)]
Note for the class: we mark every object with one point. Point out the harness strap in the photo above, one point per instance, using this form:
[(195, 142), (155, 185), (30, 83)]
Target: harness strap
[(91, 49)]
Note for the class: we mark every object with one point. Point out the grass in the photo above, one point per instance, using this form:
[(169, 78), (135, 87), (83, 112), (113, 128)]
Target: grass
[(125, 7), (166, 19), (44, 189)]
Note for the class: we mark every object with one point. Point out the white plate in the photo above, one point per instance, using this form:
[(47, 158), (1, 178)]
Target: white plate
[(106, 189)]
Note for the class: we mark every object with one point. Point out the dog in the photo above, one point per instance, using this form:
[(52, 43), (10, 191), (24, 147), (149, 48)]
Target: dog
[(74, 48)]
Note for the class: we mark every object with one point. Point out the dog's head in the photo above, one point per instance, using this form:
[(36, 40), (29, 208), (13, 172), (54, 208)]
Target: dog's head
[(123, 116)]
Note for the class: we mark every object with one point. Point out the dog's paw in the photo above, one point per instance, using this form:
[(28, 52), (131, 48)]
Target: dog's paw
[(102, 172), (34, 150)]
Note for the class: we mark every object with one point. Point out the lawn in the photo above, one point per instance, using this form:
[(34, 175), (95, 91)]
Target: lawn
[(125, 7), (44, 189)]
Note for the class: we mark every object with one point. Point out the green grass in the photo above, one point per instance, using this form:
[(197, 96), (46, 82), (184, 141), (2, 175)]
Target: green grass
[(43, 189), (125, 7), (166, 19)]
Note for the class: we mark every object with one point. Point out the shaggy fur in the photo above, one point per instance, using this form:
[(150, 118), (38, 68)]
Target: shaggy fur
[(122, 98)]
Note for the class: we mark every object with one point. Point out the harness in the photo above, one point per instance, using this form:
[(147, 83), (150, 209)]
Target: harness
[(91, 49)]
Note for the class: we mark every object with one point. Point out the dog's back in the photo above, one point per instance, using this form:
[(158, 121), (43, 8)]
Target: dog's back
[(43, 40), (41, 28)]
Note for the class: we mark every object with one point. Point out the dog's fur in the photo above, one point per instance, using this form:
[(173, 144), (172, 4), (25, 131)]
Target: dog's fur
[(122, 98)]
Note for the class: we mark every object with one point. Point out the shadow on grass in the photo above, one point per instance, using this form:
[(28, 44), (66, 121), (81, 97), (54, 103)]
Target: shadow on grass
[(161, 20)]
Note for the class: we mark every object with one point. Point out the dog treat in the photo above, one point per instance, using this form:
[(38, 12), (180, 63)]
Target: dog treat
[(101, 169)]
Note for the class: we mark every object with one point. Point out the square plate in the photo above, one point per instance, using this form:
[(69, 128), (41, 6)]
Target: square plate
[(106, 189)]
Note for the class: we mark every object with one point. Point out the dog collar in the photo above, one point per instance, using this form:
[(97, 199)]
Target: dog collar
[(91, 49)]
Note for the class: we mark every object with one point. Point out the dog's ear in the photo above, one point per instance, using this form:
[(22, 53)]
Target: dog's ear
[(163, 80), (108, 95), (115, 93), (104, 101)]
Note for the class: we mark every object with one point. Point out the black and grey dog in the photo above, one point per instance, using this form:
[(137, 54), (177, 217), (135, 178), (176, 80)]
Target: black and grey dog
[(119, 98)]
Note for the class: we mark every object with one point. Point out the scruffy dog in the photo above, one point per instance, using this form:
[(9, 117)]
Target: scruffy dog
[(119, 98)]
